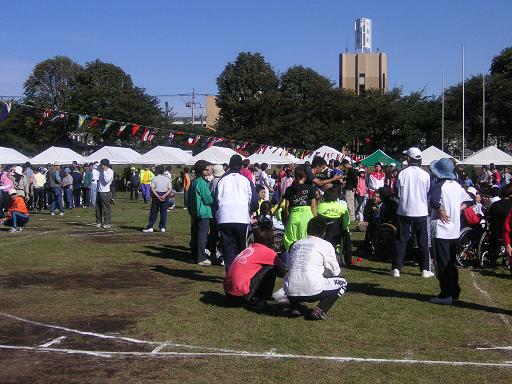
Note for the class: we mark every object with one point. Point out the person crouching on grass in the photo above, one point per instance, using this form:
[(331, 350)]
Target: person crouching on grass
[(313, 272), (17, 214), (252, 275)]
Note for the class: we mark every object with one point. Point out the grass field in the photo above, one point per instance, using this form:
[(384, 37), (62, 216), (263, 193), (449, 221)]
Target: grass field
[(62, 271)]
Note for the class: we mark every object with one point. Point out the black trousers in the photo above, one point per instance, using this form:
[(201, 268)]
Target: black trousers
[(261, 286), (446, 267), (326, 299), (199, 238), (406, 226), (39, 198), (234, 241)]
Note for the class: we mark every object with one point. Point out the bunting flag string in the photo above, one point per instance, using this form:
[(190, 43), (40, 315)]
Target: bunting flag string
[(149, 133)]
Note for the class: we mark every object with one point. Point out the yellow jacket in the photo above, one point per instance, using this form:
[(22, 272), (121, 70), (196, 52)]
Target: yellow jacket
[(146, 176)]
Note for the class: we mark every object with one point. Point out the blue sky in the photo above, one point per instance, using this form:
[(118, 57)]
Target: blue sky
[(169, 47)]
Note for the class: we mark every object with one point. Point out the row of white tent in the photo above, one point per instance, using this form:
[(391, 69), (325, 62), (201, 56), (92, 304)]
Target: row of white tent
[(220, 155)]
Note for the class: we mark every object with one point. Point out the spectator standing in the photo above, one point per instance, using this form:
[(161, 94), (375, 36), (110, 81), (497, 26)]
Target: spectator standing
[(86, 185), (361, 194), (134, 184), (235, 200), (146, 175), (246, 171), (413, 185), (186, 186), (161, 191), (350, 187), (103, 211), (376, 179), (77, 186), (54, 183), (67, 187), (94, 184), (263, 180), (38, 189), (446, 199), (29, 177), (200, 201)]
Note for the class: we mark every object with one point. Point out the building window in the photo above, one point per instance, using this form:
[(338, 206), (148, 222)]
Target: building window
[(362, 82), (384, 81)]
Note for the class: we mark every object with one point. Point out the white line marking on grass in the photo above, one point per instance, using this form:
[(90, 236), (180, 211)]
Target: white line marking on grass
[(159, 348), (491, 302), (58, 340), (508, 348), (259, 355)]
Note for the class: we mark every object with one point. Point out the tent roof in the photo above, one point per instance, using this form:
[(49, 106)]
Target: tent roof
[(433, 153), (12, 156), (324, 151), (60, 154), (379, 157), (489, 155), (163, 155), (116, 155), (215, 155), (269, 158)]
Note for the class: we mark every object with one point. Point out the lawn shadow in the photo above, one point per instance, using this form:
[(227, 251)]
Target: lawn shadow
[(493, 273), (171, 252), (219, 300), (189, 274), (374, 270), (132, 227), (373, 289)]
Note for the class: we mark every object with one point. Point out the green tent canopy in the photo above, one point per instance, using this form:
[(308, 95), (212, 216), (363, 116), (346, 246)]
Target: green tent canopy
[(379, 157)]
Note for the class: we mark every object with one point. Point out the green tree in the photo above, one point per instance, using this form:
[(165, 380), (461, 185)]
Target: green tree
[(500, 96), (248, 95)]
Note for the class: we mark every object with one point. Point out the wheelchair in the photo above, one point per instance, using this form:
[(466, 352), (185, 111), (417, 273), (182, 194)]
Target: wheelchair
[(278, 237), (383, 242), (467, 250), (489, 251), (340, 240)]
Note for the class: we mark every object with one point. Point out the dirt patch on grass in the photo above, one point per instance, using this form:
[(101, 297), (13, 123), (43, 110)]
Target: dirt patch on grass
[(132, 276)]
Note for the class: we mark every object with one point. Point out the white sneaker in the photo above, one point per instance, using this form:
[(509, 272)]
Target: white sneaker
[(19, 229), (12, 230), (395, 273), (427, 274), (97, 225), (148, 230), (61, 214), (53, 213), (222, 263), (107, 225), (205, 262), (162, 230), (443, 301)]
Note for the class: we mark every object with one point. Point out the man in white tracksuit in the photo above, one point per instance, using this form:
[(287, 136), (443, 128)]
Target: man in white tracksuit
[(313, 272)]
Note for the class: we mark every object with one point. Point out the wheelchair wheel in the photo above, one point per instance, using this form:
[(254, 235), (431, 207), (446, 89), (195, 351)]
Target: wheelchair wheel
[(467, 252), (384, 242), (485, 257), (278, 241)]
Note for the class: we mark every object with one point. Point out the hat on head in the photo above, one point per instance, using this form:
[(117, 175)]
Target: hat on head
[(413, 153), (235, 161), (56, 163), (12, 191), (67, 170), (218, 170), (392, 164), (362, 170), (105, 162), (443, 168), (18, 170), (472, 190)]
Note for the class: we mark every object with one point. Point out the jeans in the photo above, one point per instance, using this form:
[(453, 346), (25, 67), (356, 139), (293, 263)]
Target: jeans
[(103, 213), (17, 220), (145, 189), (199, 238), (158, 206), (94, 194), (361, 203), (68, 197), (234, 241), (56, 199), (39, 198), (406, 226)]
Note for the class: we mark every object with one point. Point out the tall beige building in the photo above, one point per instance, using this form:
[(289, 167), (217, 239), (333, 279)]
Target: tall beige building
[(361, 71), (212, 112)]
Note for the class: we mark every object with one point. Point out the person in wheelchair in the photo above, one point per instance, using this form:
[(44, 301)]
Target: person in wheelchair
[(265, 216), (496, 216), (337, 217), (382, 210), (472, 215)]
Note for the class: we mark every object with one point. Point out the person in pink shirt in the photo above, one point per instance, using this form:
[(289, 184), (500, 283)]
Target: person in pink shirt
[(245, 171), (6, 183), (252, 275), (361, 193)]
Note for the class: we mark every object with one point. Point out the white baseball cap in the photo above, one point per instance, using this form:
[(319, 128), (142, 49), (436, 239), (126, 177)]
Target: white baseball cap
[(472, 190), (413, 153)]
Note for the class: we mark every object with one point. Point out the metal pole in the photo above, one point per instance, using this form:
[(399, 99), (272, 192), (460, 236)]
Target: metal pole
[(483, 111), (442, 108), (193, 104), (463, 140)]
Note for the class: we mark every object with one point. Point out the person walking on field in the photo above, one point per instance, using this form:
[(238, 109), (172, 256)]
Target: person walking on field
[(161, 191), (103, 212), (413, 184), (145, 182)]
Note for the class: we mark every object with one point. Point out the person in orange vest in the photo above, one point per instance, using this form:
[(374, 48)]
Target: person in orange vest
[(17, 215)]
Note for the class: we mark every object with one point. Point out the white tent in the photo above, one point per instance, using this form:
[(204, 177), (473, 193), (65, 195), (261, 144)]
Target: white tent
[(116, 155), (489, 155), (59, 154), (326, 152), (270, 158), (433, 153), (163, 155), (215, 155), (12, 156)]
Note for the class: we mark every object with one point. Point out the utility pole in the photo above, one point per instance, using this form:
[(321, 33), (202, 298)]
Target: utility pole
[(463, 140), (193, 105), (442, 108), (483, 111)]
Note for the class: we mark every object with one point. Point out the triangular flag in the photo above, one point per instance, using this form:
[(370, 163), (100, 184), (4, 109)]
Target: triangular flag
[(107, 126), (135, 128), (145, 134), (81, 120), (58, 117), (4, 112), (46, 114), (121, 129), (170, 137), (95, 121)]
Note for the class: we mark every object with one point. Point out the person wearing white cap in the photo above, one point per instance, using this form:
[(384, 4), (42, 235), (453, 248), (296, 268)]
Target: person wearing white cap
[(104, 196), (413, 184)]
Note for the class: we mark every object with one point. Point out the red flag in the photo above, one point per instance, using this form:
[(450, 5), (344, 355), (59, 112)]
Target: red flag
[(145, 134), (46, 114), (94, 121), (135, 128)]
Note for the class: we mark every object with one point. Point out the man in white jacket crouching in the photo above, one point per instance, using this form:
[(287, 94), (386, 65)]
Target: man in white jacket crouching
[(313, 272)]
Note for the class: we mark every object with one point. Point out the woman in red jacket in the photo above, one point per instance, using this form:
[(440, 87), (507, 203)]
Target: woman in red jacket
[(507, 230), (17, 215)]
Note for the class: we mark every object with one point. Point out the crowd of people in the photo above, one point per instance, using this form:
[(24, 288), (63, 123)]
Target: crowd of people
[(312, 204)]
